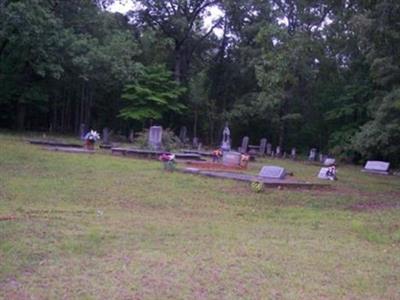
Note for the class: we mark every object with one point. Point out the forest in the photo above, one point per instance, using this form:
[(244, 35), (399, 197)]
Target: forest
[(302, 73)]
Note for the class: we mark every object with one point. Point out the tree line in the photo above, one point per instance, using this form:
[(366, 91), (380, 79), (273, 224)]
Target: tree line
[(303, 73)]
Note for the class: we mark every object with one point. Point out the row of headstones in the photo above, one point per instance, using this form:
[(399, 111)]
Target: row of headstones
[(154, 139), (264, 148), (276, 172), (155, 135), (315, 156)]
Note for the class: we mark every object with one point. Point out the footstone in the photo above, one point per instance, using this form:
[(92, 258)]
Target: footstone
[(231, 158), (378, 167), (273, 172)]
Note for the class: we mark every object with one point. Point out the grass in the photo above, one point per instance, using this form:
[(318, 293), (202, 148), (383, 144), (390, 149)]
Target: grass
[(105, 227)]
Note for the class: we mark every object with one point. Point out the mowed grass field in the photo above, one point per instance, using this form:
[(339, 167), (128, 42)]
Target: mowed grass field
[(78, 226)]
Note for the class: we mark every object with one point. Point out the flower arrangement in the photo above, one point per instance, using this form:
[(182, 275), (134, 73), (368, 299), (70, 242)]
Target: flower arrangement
[(90, 138), (216, 155), (257, 187), (244, 160), (169, 161)]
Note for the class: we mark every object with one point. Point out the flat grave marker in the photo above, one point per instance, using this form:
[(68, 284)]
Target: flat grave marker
[(274, 172), (377, 167)]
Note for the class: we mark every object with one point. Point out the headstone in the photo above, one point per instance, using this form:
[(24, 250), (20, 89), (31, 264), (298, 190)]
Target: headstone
[(226, 139), (284, 155), (269, 149), (131, 136), (293, 153), (231, 158), (263, 144), (155, 137), (106, 136), (82, 131), (278, 151), (321, 158), (329, 161), (378, 167), (182, 134), (253, 154), (323, 174), (245, 143), (313, 154), (273, 172), (200, 147), (195, 142)]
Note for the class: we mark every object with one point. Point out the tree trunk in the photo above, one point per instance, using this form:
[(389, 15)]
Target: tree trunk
[(178, 61), (82, 104), (196, 116), (21, 113)]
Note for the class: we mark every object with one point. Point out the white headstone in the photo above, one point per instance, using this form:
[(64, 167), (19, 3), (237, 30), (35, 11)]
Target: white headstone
[(329, 161), (313, 154), (293, 153), (155, 137), (278, 151), (274, 172), (375, 166), (323, 174), (231, 158), (226, 139)]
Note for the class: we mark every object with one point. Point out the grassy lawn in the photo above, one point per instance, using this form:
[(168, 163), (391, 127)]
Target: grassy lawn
[(105, 227)]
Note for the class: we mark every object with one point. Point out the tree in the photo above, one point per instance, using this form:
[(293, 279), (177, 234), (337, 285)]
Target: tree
[(31, 39), (378, 30), (152, 96), (182, 22)]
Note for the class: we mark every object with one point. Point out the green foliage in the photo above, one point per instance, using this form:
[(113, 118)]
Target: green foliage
[(319, 73), (380, 38), (153, 95)]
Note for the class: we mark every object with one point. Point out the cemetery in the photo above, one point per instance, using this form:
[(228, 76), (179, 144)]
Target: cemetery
[(199, 149), (102, 205)]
